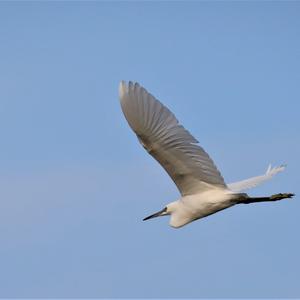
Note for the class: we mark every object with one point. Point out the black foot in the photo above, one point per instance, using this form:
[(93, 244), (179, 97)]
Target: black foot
[(281, 196)]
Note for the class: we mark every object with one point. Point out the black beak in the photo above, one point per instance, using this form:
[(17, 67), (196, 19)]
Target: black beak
[(158, 214)]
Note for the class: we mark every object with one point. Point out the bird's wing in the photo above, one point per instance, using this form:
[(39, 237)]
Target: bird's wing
[(168, 142), (254, 181)]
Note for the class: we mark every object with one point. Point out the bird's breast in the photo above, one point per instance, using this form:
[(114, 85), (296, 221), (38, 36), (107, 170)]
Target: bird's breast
[(206, 203)]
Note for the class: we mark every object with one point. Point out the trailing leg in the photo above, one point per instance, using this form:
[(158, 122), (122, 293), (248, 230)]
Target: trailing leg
[(274, 197)]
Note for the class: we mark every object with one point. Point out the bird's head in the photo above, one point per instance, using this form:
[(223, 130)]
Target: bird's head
[(167, 210)]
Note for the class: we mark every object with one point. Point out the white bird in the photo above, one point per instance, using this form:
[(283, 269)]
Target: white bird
[(202, 187)]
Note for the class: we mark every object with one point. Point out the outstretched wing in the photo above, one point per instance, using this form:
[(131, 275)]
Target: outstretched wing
[(168, 142), (254, 181)]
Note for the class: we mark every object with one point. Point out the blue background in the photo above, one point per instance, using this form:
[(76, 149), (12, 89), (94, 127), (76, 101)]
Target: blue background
[(74, 182)]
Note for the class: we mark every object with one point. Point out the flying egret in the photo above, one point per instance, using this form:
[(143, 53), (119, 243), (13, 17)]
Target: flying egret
[(201, 185)]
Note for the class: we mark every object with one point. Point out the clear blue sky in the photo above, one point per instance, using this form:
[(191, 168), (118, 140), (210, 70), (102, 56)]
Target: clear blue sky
[(74, 182)]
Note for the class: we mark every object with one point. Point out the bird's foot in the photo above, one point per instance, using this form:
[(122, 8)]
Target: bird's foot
[(281, 196)]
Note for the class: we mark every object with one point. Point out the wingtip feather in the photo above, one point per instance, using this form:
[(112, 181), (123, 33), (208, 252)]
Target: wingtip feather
[(122, 89), (127, 87), (275, 170)]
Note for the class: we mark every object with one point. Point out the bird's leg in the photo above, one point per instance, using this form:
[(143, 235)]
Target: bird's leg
[(274, 197)]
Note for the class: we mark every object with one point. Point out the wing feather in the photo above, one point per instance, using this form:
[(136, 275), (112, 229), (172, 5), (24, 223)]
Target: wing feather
[(168, 142), (255, 181)]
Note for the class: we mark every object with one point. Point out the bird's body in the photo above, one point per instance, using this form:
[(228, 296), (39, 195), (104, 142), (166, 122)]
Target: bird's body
[(202, 187), (193, 207)]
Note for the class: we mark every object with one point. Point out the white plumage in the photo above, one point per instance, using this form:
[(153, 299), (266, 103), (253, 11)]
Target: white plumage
[(200, 183), (255, 181)]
